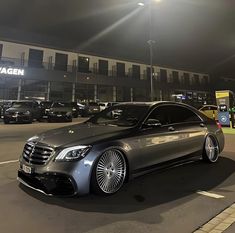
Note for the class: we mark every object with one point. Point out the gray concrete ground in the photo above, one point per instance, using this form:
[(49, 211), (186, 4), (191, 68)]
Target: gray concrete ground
[(164, 202)]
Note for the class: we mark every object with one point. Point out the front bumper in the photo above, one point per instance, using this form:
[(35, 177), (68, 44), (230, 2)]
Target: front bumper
[(58, 178), (18, 118), (49, 183)]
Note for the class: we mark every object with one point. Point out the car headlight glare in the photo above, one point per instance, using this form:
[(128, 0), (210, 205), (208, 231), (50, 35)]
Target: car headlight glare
[(73, 153)]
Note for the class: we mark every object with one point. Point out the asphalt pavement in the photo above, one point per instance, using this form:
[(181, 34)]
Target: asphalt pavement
[(164, 202)]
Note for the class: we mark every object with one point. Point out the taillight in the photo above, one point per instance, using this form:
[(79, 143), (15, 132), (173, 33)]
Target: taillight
[(218, 125)]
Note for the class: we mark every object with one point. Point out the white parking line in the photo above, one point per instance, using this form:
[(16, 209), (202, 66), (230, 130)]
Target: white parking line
[(10, 161), (213, 195)]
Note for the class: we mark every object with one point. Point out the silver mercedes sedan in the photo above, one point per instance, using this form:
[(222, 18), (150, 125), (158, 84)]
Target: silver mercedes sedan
[(116, 145)]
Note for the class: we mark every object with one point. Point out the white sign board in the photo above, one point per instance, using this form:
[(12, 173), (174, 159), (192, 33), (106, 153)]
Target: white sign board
[(11, 71)]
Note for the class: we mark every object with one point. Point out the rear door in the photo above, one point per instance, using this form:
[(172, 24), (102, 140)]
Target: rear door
[(190, 129), (156, 144)]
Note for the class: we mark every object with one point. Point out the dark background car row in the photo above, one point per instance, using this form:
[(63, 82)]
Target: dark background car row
[(27, 111)]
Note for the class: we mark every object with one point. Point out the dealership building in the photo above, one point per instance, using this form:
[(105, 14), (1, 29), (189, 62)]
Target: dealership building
[(35, 72)]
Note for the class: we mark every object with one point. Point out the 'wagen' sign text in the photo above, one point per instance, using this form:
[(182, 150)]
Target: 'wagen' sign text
[(12, 71)]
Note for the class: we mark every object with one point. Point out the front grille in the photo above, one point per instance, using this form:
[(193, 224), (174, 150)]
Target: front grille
[(37, 154)]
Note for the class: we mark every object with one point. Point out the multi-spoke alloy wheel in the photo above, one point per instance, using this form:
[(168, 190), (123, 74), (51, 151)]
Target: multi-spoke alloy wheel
[(211, 150), (110, 171)]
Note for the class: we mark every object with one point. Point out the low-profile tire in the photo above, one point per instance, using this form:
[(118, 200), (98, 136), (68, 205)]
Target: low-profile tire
[(109, 173), (211, 149)]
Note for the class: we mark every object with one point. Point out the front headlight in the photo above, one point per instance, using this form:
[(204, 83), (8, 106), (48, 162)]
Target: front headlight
[(73, 153)]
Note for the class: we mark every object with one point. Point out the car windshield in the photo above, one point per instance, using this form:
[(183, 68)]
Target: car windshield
[(122, 115), (61, 105), (22, 105)]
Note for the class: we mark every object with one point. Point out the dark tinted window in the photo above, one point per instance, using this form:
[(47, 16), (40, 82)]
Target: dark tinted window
[(120, 69), (123, 115), (163, 76), (196, 79), (83, 64), (175, 76), (1, 46), (173, 114), (35, 58), (136, 71), (149, 72), (180, 114), (186, 79), (61, 61), (22, 104), (103, 67)]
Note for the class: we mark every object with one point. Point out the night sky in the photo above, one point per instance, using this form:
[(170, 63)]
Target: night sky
[(190, 34)]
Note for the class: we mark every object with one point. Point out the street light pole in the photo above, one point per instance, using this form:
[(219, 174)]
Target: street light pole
[(151, 42)]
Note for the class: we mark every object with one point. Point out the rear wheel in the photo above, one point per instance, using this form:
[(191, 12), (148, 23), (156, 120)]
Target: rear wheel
[(211, 149), (109, 173)]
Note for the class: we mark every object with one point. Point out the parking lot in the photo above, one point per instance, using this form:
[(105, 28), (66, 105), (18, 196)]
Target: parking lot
[(164, 202)]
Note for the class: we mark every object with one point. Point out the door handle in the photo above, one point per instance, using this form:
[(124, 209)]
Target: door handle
[(171, 128)]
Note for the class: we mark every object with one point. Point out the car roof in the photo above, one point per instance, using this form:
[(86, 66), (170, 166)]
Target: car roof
[(154, 103)]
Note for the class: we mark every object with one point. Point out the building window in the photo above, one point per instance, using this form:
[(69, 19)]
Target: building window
[(175, 76), (1, 46), (135, 71), (163, 76), (186, 79), (196, 79), (149, 73), (35, 58), (205, 80), (103, 67), (120, 69), (61, 61), (83, 64)]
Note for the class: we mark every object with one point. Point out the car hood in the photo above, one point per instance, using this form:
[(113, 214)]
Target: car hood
[(81, 134), (18, 109)]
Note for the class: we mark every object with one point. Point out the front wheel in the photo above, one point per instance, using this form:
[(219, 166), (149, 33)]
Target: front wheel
[(109, 173), (211, 149)]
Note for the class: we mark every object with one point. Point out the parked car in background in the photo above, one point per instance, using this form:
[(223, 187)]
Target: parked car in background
[(103, 105), (110, 104), (106, 151), (4, 105), (90, 108), (75, 109), (45, 108), (22, 111), (210, 111), (60, 111)]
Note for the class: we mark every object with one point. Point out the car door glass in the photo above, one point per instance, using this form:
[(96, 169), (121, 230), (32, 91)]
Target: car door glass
[(180, 114), (160, 114)]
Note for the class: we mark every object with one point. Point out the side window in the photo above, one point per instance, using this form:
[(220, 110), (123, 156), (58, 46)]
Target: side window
[(180, 114), (160, 114), (214, 108)]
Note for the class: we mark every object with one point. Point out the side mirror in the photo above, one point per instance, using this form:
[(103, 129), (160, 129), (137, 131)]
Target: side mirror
[(152, 123)]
